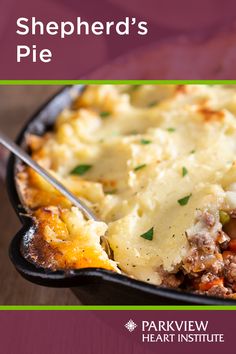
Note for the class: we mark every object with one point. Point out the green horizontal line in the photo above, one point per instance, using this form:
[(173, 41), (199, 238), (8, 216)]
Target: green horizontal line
[(114, 82), (107, 308)]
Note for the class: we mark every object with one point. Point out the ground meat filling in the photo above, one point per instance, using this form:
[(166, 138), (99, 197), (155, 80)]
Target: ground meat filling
[(230, 268), (210, 266), (219, 290), (205, 238), (170, 280)]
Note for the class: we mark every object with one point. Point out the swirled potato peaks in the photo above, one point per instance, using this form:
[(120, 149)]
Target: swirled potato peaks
[(156, 164)]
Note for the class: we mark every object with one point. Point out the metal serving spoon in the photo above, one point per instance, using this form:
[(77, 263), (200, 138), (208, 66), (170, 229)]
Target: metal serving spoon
[(22, 155)]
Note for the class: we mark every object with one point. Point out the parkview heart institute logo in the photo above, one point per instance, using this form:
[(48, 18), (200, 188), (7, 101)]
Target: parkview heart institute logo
[(131, 325)]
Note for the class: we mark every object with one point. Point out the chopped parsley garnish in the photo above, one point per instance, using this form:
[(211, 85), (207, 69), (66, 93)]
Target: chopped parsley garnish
[(148, 235), (192, 151), (139, 167), (135, 87), (105, 114), (145, 142), (171, 130), (184, 171), (152, 104), (184, 200), (115, 133), (80, 169), (224, 217), (113, 191)]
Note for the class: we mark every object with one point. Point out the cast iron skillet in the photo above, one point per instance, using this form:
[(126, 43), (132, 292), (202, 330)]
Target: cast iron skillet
[(93, 286)]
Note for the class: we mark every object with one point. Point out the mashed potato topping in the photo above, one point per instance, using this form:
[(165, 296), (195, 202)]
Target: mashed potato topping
[(148, 160)]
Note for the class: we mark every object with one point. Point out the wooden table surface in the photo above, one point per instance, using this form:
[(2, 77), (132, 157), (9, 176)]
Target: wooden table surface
[(17, 103)]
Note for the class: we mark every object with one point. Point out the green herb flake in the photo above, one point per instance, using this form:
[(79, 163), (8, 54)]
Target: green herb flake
[(224, 217), (114, 191), (184, 171), (115, 133), (139, 167), (192, 151), (184, 201), (104, 114), (134, 132), (148, 235), (171, 130), (152, 104), (145, 142), (135, 87), (81, 169)]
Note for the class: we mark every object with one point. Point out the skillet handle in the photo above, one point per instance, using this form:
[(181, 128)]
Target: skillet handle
[(57, 279), (96, 286)]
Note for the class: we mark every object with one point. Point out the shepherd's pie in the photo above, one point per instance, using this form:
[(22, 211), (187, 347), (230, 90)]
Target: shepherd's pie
[(157, 165)]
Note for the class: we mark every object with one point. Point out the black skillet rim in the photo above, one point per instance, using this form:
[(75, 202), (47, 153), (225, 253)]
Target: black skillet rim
[(75, 278)]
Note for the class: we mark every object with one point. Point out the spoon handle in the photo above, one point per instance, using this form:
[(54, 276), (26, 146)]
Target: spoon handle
[(22, 155)]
